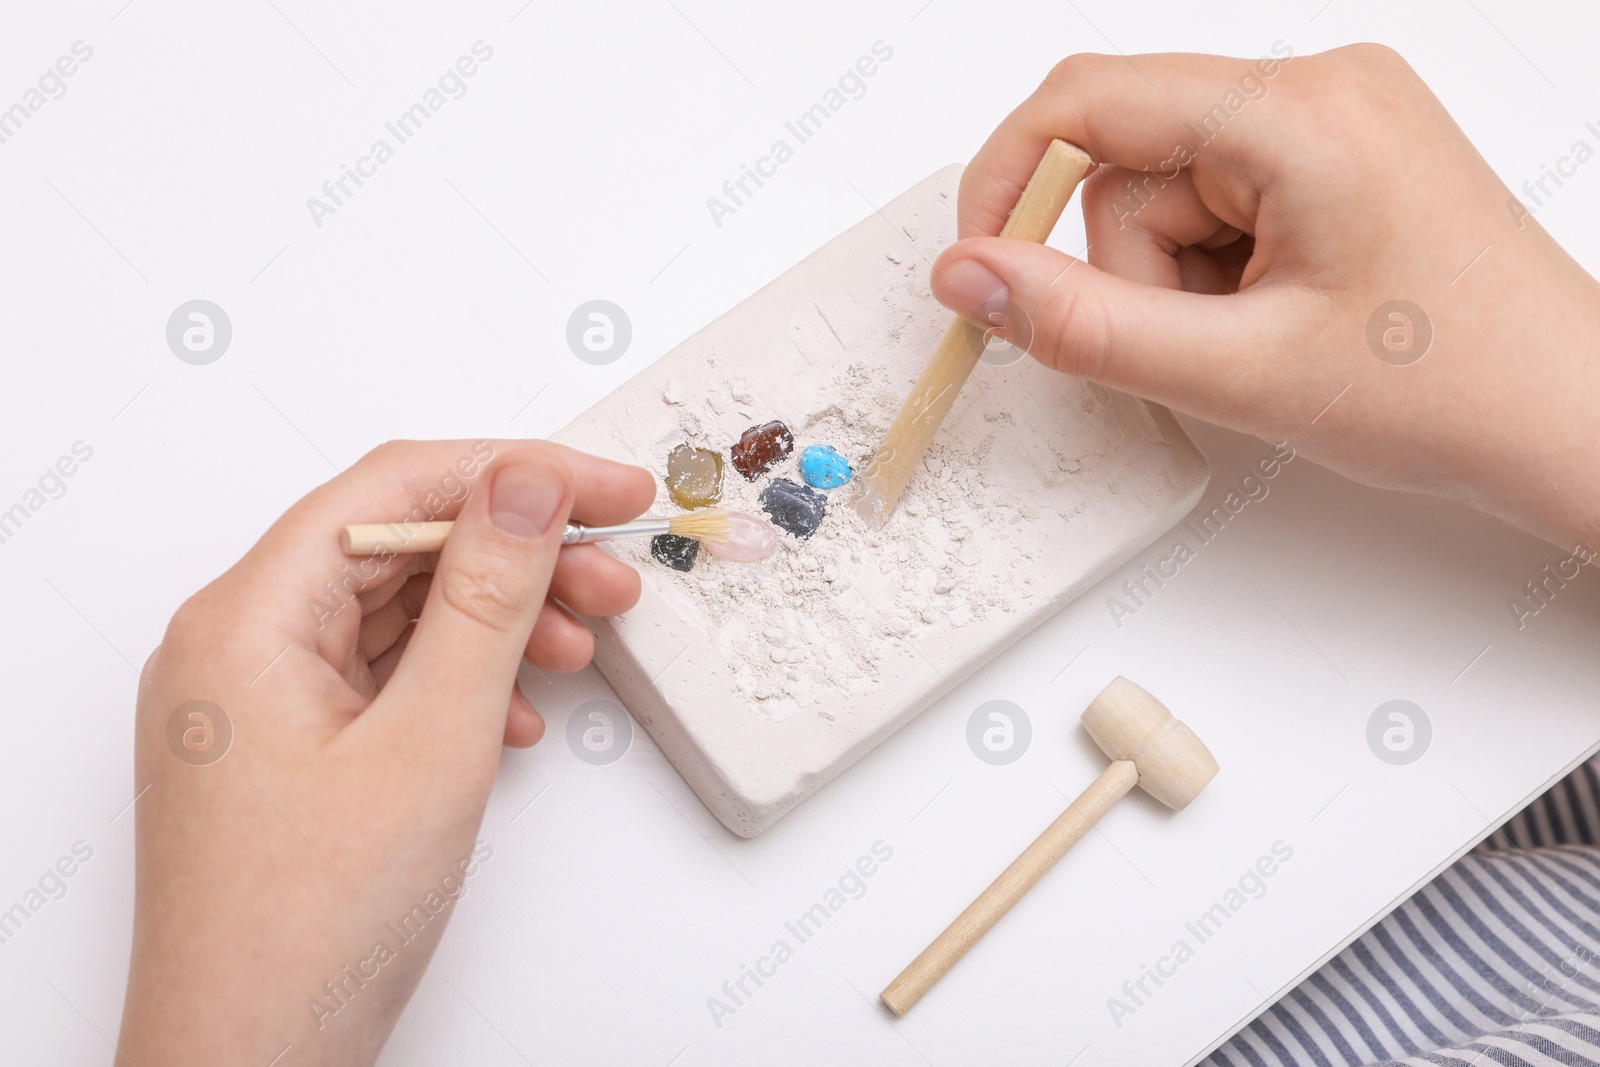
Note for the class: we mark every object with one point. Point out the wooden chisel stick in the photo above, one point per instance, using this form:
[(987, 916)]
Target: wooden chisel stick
[(958, 351)]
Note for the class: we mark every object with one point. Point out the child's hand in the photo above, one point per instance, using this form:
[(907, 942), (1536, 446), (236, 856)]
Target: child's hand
[(1287, 203), (344, 813)]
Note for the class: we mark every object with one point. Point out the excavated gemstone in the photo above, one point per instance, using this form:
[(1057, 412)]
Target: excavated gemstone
[(749, 539), (679, 553), (694, 477), (794, 507), (823, 468), (761, 448)]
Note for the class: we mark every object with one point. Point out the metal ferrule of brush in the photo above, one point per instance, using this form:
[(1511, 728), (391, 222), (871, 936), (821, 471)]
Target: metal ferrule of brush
[(579, 534)]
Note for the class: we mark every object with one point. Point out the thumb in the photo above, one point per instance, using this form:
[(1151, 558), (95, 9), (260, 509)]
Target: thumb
[(491, 581), (1200, 353)]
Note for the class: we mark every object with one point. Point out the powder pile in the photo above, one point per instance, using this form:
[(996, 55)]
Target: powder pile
[(817, 620)]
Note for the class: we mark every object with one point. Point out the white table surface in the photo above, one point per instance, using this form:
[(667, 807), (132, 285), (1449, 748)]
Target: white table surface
[(434, 303)]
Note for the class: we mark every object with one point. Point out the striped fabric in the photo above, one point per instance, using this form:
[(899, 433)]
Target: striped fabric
[(1495, 962)]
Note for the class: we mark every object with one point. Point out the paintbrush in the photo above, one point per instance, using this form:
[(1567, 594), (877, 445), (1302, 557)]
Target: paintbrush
[(958, 351), (371, 539)]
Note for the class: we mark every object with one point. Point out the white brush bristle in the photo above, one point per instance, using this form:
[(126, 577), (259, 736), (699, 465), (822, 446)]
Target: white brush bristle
[(702, 524)]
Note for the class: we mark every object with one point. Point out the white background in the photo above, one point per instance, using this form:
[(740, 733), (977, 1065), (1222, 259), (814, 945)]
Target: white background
[(434, 304)]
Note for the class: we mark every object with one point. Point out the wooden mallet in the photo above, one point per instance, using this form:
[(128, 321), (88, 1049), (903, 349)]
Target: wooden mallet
[(1148, 748)]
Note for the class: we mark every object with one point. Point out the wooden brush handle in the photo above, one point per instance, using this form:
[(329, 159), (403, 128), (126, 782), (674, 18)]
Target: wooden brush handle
[(401, 538), (962, 345), (376, 538), (1113, 783)]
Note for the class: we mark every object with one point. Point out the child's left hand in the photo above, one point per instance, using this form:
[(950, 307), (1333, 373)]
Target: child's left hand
[(363, 746)]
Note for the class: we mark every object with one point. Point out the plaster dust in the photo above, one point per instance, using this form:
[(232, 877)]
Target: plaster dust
[(815, 621), (762, 681)]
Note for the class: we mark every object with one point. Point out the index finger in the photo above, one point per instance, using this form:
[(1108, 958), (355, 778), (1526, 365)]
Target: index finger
[(1143, 112)]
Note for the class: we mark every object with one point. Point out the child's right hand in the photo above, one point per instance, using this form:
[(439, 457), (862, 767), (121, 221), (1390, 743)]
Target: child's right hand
[(1290, 202)]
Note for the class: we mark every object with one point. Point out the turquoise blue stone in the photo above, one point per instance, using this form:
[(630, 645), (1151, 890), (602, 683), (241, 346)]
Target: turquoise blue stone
[(823, 468)]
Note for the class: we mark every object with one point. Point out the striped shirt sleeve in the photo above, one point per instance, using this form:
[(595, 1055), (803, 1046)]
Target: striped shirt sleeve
[(1495, 962)]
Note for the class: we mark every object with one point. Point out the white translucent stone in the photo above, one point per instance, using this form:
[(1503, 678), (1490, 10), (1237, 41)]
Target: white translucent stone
[(749, 539)]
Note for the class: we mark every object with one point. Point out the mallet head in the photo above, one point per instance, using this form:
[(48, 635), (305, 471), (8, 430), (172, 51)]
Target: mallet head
[(1130, 724)]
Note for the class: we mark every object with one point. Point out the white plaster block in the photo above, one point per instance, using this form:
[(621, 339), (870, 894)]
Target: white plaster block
[(1037, 486)]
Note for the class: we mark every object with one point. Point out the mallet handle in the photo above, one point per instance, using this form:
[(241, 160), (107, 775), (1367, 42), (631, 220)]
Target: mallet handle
[(1113, 783)]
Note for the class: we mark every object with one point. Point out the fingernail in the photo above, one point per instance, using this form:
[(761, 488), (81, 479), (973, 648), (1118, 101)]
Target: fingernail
[(523, 499), (967, 285)]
